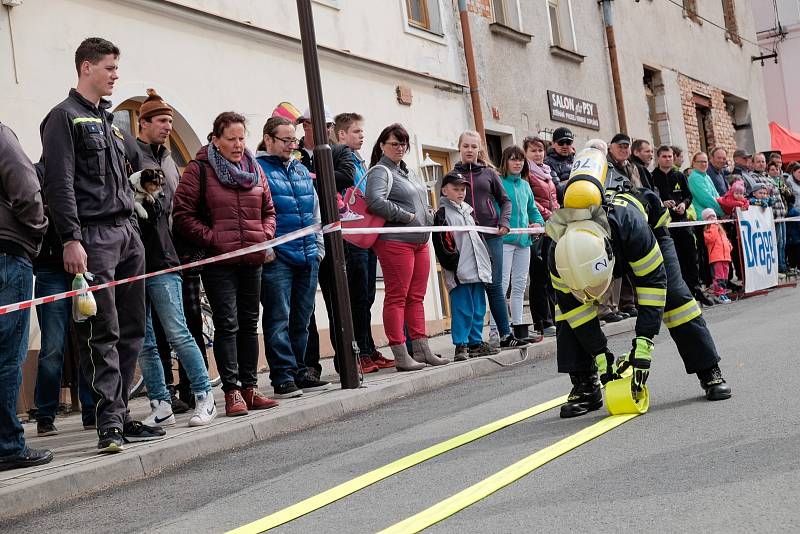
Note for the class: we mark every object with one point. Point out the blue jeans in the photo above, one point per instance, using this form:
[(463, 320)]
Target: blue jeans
[(494, 291), (468, 302), (287, 293), (780, 233), (165, 295), (16, 284), (53, 323)]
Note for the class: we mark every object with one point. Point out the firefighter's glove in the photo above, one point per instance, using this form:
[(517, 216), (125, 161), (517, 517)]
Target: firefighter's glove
[(606, 366), (640, 357)]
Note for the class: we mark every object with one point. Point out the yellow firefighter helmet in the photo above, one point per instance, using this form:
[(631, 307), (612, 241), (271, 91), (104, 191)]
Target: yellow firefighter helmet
[(585, 260)]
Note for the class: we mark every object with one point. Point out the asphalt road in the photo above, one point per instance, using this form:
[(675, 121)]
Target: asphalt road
[(687, 465)]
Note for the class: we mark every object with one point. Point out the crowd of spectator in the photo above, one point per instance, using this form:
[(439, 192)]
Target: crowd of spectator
[(99, 201)]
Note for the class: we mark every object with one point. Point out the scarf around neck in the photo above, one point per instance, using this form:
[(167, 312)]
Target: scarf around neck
[(542, 171), (244, 175)]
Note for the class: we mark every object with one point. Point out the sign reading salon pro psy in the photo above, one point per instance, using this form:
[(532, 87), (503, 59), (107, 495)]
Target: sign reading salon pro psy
[(564, 108), (759, 248)]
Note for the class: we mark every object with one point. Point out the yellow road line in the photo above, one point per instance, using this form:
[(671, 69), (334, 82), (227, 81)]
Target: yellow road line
[(347, 488), (501, 479)]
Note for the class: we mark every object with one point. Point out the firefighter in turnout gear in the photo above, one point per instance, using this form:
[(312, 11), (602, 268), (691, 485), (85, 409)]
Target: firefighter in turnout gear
[(604, 230)]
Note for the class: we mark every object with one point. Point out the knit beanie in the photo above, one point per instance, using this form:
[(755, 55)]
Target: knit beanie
[(287, 111), (154, 105), (709, 214), (738, 187)]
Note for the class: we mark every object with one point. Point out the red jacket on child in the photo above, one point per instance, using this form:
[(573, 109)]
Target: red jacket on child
[(729, 204), (717, 243)]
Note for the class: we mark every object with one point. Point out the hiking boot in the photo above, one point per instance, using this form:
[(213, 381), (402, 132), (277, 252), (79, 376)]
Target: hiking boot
[(714, 385), (382, 362), (367, 365), (255, 400), (27, 458), (482, 349), (161, 414), (45, 427), (402, 360), (234, 403), (178, 406), (205, 410), (287, 390), (461, 354), (308, 384), (584, 397), (110, 441), (511, 342), (134, 431)]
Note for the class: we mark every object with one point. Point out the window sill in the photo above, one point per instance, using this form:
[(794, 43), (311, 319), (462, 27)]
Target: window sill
[(567, 54), (425, 33), (510, 33)]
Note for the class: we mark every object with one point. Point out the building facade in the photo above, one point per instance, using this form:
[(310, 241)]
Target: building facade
[(778, 30)]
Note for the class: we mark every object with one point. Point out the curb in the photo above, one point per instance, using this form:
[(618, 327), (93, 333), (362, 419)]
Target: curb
[(36, 488)]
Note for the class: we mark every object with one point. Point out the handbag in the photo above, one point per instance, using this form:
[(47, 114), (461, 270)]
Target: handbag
[(356, 202), (188, 252)]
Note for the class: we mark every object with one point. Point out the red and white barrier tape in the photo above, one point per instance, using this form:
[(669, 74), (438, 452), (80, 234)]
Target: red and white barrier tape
[(333, 227)]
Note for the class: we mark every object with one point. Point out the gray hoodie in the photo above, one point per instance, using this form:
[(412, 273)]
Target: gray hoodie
[(790, 181), (408, 197), (474, 265)]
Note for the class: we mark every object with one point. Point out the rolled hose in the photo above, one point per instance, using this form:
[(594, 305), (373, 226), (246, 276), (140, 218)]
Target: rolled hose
[(620, 399)]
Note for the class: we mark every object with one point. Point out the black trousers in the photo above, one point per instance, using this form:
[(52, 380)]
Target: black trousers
[(234, 293), (686, 249), (541, 295), (110, 342), (681, 315)]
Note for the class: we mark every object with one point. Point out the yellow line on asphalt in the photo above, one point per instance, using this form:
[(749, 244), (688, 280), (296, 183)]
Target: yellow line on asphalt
[(501, 479), (347, 488)]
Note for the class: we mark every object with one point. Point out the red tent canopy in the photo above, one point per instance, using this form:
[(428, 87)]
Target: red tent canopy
[(786, 141)]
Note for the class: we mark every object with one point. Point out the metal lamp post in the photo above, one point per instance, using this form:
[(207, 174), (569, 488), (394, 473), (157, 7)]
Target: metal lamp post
[(431, 171), (341, 323)]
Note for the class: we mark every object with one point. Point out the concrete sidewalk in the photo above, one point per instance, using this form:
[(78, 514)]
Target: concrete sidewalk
[(77, 469)]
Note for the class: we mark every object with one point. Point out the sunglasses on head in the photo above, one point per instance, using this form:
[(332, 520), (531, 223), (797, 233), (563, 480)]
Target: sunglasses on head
[(564, 142)]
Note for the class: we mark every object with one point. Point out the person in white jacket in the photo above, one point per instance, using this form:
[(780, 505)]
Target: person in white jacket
[(466, 266)]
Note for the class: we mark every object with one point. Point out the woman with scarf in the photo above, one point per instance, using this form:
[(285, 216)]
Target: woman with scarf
[(541, 296), (492, 208), (222, 204)]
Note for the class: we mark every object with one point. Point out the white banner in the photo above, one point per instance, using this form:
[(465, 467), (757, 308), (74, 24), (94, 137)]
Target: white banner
[(759, 248)]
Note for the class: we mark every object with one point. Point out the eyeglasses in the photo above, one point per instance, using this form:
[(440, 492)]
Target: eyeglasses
[(564, 142), (395, 145), (287, 140), (515, 158)]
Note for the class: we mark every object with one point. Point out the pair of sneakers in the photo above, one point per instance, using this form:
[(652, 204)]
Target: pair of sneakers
[(302, 384), (162, 414), (111, 440)]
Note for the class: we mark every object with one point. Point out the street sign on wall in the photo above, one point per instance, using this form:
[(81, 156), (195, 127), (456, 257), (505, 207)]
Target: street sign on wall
[(759, 248), (572, 110)]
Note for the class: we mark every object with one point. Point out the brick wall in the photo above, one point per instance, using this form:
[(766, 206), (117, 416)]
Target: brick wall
[(719, 126), (480, 7)]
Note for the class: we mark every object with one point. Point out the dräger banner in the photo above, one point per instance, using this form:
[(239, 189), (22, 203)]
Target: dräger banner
[(759, 248)]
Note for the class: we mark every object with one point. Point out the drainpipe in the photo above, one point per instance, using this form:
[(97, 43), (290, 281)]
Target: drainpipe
[(471, 71), (608, 20)]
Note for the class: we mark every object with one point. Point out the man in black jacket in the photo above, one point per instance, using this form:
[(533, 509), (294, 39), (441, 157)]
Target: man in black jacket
[(560, 155), (642, 157), (344, 169), (673, 188), (87, 162)]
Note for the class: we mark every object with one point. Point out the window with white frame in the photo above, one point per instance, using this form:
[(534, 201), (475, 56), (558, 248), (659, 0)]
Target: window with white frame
[(425, 15), (506, 12), (562, 31)]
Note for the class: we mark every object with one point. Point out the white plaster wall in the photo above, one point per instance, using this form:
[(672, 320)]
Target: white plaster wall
[(202, 69), (515, 77), (656, 34)]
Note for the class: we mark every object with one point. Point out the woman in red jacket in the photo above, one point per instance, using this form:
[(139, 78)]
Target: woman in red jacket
[(236, 212), (542, 298)]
